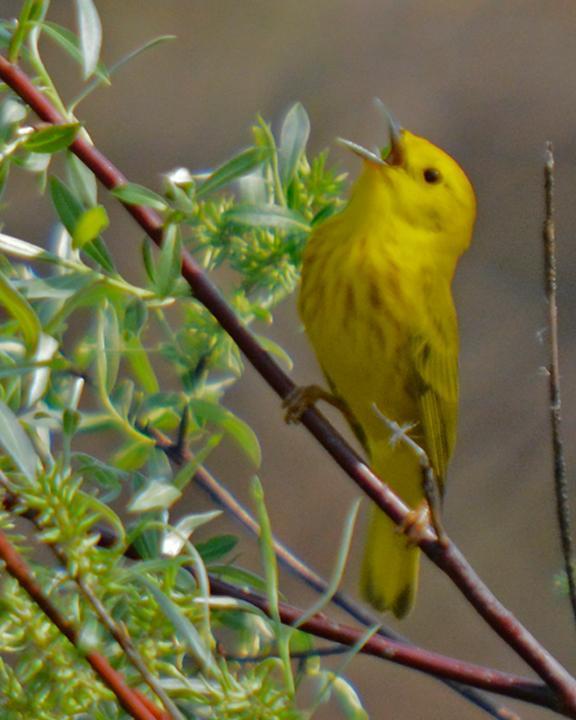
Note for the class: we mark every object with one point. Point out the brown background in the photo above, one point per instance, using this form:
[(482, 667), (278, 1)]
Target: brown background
[(489, 81)]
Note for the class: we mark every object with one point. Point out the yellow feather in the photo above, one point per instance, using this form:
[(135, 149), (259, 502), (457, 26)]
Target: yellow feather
[(377, 307)]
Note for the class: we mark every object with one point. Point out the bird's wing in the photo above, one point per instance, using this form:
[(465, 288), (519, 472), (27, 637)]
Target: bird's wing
[(435, 364)]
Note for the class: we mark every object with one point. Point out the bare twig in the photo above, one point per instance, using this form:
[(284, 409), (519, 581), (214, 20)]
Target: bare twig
[(180, 454), (120, 634), (550, 285), (397, 650), (445, 555), (134, 703), (10, 501)]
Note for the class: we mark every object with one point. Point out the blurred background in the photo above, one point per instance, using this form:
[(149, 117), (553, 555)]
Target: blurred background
[(488, 81)]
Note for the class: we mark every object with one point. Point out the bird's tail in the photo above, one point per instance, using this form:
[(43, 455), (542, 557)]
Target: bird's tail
[(389, 575)]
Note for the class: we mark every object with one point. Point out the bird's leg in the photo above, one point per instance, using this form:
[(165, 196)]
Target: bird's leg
[(433, 501), (302, 398)]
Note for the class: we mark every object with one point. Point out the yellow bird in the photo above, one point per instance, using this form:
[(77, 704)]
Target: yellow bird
[(377, 306)]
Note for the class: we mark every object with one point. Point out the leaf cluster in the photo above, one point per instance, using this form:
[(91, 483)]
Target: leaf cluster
[(93, 364)]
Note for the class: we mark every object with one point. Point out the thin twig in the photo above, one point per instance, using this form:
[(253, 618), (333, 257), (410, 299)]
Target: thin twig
[(550, 285), (15, 564), (445, 555), (301, 655), (120, 634), (408, 655), (180, 454), (396, 650)]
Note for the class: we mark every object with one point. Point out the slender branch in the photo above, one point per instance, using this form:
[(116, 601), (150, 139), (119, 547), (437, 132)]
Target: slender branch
[(120, 634), (446, 555), (131, 701), (550, 286), (180, 454), (394, 650), (11, 502), (302, 655), (397, 652)]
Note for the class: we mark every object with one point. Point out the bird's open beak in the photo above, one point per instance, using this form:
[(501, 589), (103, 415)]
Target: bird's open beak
[(395, 154), (392, 154), (362, 152)]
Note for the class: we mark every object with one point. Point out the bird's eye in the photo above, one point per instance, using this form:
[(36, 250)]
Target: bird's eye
[(432, 176)]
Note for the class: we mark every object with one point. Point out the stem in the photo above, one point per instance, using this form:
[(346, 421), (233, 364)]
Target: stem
[(381, 644), (397, 652), (224, 498), (550, 286), (445, 554), (17, 567)]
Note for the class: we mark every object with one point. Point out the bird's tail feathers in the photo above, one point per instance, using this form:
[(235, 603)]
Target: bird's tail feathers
[(389, 575)]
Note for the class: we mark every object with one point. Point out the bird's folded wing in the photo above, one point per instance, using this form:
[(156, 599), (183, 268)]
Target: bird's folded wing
[(435, 364)]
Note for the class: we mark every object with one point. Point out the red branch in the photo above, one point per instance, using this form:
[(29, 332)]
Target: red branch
[(130, 700), (396, 650), (444, 554), (417, 658)]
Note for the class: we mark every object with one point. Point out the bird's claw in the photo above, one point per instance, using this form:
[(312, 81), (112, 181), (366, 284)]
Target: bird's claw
[(415, 523), (299, 400)]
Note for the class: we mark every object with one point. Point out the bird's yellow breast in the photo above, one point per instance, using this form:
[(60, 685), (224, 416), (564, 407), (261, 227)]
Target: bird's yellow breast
[(358, 306)]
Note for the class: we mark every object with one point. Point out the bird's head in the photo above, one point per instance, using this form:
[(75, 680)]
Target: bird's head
[(421, 185)]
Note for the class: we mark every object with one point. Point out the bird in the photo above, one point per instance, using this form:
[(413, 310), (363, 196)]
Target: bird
[(376, 304)]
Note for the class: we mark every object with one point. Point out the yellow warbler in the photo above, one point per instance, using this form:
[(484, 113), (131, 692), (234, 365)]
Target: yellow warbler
[(377, 306)]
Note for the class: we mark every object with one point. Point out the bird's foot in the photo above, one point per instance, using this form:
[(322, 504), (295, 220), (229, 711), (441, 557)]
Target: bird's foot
[(415, 524), (303, 398)]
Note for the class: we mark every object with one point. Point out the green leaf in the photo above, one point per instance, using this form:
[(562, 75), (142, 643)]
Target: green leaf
[(51, 139), (131, 456), (186, 472), (39, 379), (98, 251), (112, 348), (109, 516), (156, 495), (169, 262), (82, 180), (240, 577), (69, 43), (135, 316), (293, 139), (269, 560), (185, 631), (67, 205), (148, 259), (70, 210), (89, 225), (70, 421), (96, 82), (90, 31), (276, 350), (19, 308), (176, 538), (240, 165), (4, 172), (216, 547), (16, 443), (267, 216), (348, 700), (22, 249), (238, 430), (133, 194), (140, 364), (12, 112), (91, 294)]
